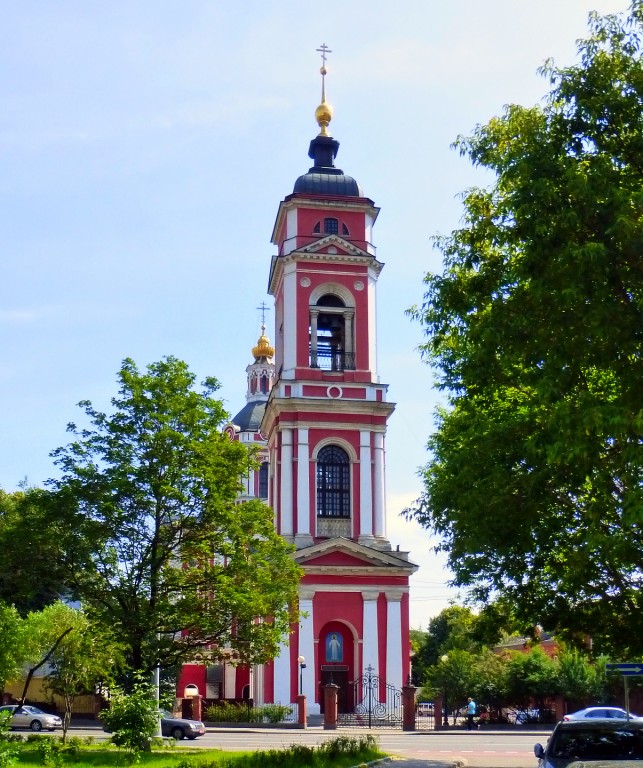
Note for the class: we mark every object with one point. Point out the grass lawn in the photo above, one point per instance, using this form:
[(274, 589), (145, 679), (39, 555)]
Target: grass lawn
[(342, 752)]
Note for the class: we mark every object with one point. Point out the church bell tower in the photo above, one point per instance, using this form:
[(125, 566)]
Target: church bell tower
[(325, 425)]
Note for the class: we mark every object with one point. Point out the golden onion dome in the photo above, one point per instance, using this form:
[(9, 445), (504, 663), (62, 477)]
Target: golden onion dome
[(263, 348)]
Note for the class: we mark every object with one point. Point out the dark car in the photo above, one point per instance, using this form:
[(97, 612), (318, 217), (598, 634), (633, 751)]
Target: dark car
[(180, 728), (608, 742)]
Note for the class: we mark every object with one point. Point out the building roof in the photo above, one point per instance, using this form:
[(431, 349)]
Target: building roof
[(249, 417), (324, 178)]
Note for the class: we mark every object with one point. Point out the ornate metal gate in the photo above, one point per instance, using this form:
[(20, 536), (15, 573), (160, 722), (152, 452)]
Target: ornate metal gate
[(375, 704)]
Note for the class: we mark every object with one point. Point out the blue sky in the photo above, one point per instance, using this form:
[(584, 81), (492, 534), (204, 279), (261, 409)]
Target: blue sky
[(144, 149)]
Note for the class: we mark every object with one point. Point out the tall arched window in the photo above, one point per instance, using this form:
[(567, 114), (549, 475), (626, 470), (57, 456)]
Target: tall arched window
[(333, 482), (331, 334), (263, 480)]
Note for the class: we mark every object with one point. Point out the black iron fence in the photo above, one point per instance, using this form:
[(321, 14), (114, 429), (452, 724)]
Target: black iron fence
[(371, 703)]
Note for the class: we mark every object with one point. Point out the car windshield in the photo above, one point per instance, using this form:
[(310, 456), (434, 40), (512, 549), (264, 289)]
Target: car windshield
[(598, 744)]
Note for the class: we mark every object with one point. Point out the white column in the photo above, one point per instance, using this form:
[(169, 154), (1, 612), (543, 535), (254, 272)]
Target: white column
[(282, 675), (229, 681), (314, 314), (379, 487), (290, 321), (257, 687), (285, 505), (394, 662), (370, 647), (303, 537), (365, 485), (307, 649)]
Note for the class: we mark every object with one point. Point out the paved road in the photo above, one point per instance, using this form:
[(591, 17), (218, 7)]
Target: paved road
[(478, 749)]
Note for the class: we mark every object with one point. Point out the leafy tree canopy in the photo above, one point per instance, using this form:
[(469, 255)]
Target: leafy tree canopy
[(31, 575), (535, 327), (158, 548)]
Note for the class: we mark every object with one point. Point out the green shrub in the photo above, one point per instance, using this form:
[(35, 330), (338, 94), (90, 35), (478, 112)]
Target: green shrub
[(275, 713), (227, 712), (7, 752), (132, 719)]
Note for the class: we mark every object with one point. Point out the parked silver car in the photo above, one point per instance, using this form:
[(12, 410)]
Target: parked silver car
[(600, 713), (31, 717)]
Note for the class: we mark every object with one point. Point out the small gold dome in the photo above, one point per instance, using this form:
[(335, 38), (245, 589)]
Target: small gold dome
[(263, 348)]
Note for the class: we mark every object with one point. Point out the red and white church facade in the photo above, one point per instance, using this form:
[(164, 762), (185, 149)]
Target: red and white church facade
[(317, 408)]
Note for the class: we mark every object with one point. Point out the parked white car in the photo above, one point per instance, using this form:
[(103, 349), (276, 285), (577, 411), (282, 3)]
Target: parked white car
[(31, 717), (600, 713)]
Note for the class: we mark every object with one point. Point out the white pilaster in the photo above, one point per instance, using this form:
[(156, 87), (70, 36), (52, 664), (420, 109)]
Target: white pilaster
[(229, 680), (379, 487), (394, 661), (303, 537), (285, 506), (370, 647), (282, 675), (289, 321), (257, 687), (307, 649), (365, 485)]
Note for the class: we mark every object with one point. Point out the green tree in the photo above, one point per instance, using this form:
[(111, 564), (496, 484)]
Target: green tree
[(85, 657), (453, 678), (450, 629), (532, 678), (490, 680), (31, 567), (159, 550), (535, 484), (12, 648)]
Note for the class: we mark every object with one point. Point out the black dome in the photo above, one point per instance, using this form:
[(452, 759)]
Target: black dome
[(324, 178), (249, 417), (315, 183)]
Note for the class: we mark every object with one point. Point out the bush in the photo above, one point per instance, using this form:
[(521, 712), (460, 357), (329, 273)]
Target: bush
[(231, 713), (132, 719), (240, 713), (275, 713), (7, 752)]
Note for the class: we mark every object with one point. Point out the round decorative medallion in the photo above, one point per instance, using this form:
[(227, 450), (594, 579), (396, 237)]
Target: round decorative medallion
[(332, 249), (304, 282), (358, 285), (334, 391)]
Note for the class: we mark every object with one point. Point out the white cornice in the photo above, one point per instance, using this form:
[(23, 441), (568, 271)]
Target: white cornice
[(376, 560), (354, 256), (363, 205), (276, 406)]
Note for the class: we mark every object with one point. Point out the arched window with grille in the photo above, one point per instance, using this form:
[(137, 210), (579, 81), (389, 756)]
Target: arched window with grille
[(331, 226), (333, 482)]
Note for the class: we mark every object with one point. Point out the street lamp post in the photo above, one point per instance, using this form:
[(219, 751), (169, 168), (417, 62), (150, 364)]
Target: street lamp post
[(444, 660), (302, 666)]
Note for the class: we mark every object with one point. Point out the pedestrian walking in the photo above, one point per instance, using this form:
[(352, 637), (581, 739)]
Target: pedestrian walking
[(471, 711)]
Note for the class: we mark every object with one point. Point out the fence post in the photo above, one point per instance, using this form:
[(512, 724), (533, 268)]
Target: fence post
[(302, 715), (197, 707), (438, 708), (330, 706), (408, 707)]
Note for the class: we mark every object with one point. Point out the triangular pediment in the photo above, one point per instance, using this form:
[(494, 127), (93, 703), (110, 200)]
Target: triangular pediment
[(344, 553), (341, 247)]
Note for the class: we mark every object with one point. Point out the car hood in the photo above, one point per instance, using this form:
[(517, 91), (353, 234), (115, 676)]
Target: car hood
[(603, 764)]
